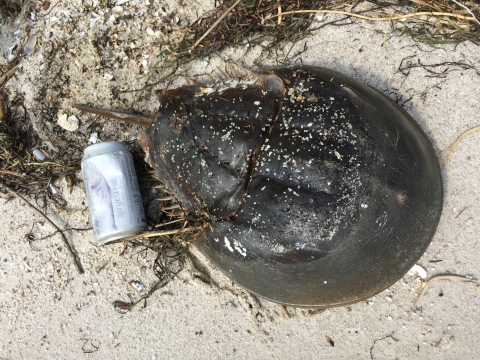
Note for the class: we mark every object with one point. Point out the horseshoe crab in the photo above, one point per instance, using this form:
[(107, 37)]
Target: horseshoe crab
[(321, 191)]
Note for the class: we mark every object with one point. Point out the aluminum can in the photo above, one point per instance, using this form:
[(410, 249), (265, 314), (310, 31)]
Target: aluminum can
[(113, 195)]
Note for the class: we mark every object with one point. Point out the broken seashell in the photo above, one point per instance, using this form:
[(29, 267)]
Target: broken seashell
[(69, 123), (417, 270)]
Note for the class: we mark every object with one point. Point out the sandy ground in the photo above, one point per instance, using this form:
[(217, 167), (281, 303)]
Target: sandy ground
[(49, 311)]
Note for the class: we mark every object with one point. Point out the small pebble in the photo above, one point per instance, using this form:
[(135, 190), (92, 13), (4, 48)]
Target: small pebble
[(137, 285), (39, 155)]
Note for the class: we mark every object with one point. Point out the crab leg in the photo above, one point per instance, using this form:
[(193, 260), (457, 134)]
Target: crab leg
[(141, 120)]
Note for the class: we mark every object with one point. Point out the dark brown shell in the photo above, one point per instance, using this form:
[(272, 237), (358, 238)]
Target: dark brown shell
[(321, 190)]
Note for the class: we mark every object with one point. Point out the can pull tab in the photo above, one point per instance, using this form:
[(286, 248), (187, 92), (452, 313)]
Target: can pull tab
[(137, 119)]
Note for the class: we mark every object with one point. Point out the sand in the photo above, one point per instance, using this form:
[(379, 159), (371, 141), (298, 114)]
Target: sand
[(50, 311)]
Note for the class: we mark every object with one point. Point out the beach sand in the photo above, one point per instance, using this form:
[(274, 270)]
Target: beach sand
[(50, 311)]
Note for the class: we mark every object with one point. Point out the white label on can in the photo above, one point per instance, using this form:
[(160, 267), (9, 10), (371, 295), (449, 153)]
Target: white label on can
[(113, 194)]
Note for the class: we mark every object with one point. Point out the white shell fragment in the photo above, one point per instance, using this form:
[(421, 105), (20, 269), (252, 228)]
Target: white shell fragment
[(417, 270), (52, 189), (93, 138), (39, 155), (137, 285), (69, 123), (108, 77), (29, 47)]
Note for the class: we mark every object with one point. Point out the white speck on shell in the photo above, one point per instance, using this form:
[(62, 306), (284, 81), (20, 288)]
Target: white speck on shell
[(228, 245)]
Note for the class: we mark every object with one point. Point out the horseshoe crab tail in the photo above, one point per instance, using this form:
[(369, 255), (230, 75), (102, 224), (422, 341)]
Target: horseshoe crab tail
[(137, 119)]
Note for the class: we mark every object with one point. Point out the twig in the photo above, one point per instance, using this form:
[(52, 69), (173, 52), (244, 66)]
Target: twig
[(279, 13), (159, 233), (461, 211), (169, 223), (399, 17), (8, 172), (448, 151), (440, 277), (65, 240), (45, 163), (2, 107), (8, 74), (215, 25)]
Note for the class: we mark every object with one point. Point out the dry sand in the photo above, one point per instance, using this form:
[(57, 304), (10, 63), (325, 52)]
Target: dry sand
[(49, 311)]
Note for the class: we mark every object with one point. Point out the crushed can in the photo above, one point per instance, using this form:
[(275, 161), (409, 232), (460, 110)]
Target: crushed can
[(113, 194)]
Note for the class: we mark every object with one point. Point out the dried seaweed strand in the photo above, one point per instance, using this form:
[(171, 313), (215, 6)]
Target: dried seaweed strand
[(448, 151), (398, 17), (440, 277), (215, 24), (65, 240)]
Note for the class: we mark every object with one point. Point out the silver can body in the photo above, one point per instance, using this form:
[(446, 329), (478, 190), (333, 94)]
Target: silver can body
[(113, 195)]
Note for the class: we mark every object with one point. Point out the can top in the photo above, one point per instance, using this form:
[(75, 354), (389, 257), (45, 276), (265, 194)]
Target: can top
[(102, 148)]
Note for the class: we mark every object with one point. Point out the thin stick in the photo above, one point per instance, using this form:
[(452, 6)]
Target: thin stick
[(169, 223), (45, 163), (159, 233), (279, 13), (65, 240), (399, 17), (8, 172), (2, 107), (440, 277), (8, 74), (450, 149), (168, 198), (215, 25), (173, 207)]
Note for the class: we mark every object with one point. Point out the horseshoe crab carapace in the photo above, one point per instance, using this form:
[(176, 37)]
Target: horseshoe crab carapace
[(321, 191)]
